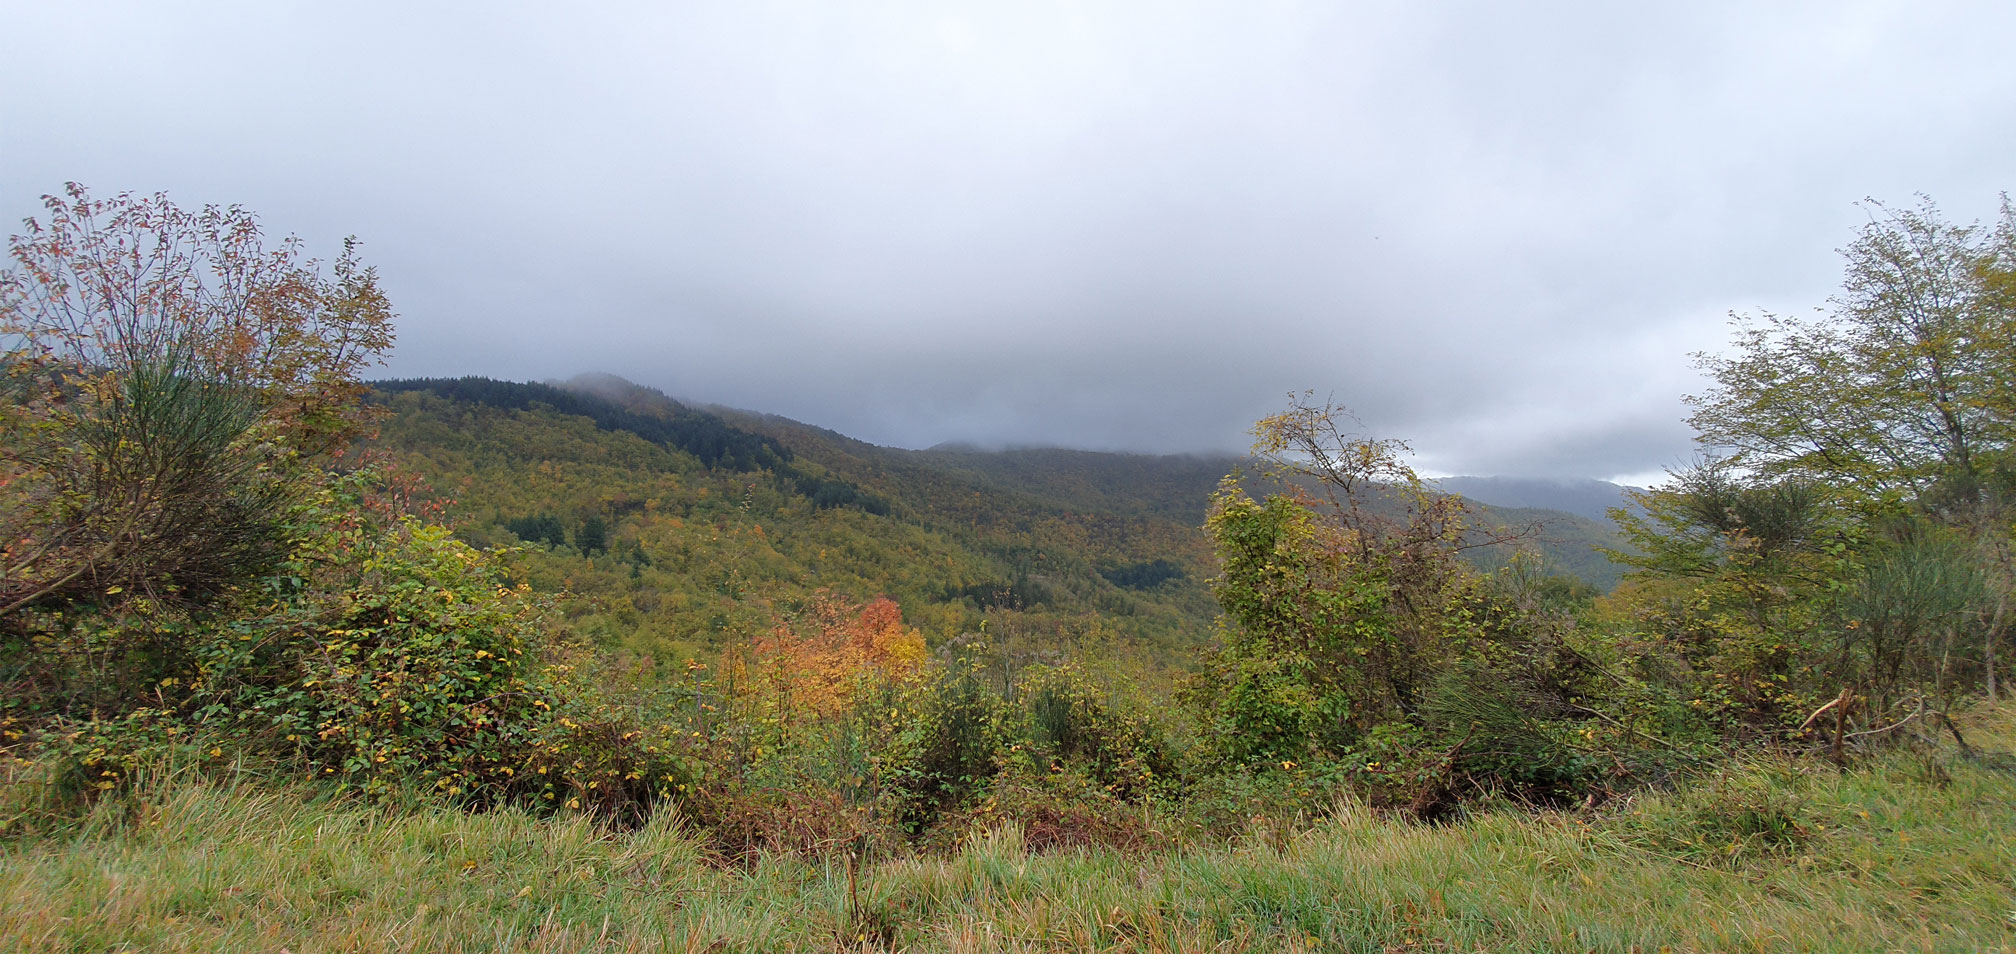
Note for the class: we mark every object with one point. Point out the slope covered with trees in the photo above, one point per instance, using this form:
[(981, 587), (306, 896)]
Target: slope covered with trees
[(695, 546), (1593, 499), (697, 556)]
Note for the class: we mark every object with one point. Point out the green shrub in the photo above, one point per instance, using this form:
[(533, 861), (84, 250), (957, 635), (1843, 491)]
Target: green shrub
[(389, 659), (1282, 797), (1505, 741), (1261, 709), (388, 655), (951, 746), (1070, 721), (88, 761)]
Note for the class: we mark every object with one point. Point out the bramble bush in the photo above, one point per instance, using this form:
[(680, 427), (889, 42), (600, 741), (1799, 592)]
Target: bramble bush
[(1066, 719), (383, 656), (386, 654), (390, 656)]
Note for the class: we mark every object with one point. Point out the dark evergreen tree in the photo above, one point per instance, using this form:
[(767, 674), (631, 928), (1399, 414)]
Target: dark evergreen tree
[(593, 537)]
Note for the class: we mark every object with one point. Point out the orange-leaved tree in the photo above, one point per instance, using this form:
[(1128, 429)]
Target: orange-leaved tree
[(823, 657)]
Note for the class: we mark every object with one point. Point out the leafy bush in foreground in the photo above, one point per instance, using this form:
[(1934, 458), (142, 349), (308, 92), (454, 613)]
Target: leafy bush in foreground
[(382, 655)]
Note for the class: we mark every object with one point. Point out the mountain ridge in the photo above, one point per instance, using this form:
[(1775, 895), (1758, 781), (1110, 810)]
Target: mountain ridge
[(688, 549), (1582, 496)]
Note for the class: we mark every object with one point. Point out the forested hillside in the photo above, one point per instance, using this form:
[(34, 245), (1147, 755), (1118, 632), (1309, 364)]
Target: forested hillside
[(1593, 499), (687, 527), (680, 557), (1178, 487)]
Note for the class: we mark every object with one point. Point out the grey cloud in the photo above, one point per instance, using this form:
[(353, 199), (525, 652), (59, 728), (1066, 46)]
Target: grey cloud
[(1495, 230)]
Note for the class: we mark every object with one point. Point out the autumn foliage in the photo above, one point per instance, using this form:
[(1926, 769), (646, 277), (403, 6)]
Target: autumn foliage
[(105, 286), (179, 557), (166, 372), (822, 657)]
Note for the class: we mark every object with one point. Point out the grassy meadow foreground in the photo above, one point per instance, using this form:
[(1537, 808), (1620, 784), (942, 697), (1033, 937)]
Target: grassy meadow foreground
[(1912, 851)]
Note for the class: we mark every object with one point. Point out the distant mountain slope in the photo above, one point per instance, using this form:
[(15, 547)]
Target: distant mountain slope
[(1585, 498), (706, 436), (681, 525), (671, 556), (1174, 487), (1569, 544), (654, 417)]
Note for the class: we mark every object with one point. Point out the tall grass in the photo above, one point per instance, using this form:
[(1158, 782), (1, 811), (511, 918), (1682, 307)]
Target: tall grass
[(1914, 850)]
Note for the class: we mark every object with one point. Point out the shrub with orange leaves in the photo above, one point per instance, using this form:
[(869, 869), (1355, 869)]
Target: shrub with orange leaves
[(820, 658)]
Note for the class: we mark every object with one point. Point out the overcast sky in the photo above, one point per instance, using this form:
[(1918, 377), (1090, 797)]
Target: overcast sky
[(1496, 230)]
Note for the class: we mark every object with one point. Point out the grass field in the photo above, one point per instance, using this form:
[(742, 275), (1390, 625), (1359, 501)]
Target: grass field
[(1906, 851)]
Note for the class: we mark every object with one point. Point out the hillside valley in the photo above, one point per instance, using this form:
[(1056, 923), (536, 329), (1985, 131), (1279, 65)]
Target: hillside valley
[(681, 527)]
